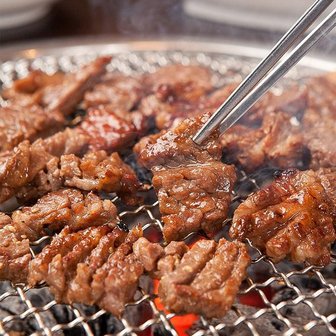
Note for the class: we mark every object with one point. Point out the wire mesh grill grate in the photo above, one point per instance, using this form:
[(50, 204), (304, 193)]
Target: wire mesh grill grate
[(306, 305)]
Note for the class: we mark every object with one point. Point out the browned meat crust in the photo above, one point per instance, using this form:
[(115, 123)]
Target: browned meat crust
[(292, 216), (175, 147), (37, 104), (20, 166), (193, 198), (121, 93), (14, 252), (60, 208), (28, 123), (95, 266), (206, 280), (328, 180), (109, 131), (96, 171), (193, 186)]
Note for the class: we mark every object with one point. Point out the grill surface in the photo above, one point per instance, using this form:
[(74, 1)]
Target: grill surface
[(307, 290)]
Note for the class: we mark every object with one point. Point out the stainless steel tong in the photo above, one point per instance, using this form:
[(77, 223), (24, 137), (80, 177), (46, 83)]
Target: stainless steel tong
[(261, 79)]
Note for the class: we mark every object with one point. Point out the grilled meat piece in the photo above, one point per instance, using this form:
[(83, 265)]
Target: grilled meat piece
[(319, 121), (14, 252), (98, 265), (292, 216), (29, 123), (121, 93), (278, 142), (79, 289), (175, 147), (37, 104), (193, 186), (109, 131), (57, 92), (20, 166), (206, 280), (194, 197), (95, 171), (192, 81), (328, 180), (60, 208)]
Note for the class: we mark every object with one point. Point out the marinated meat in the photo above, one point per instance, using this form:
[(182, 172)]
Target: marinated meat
[(292, 216), (194, 197), (20, 166), (79, 289), (121, 93), (206, 280), (115, 283), (191, 81), (108, 131), (62, 268), (95, 266), (57, 92), (147, 253), (14, 252), (37, 104), (278, 142), (29, 123), (328, 180), (95, 171), (60, 208), (175, 147), (319, 121), (193, 186)]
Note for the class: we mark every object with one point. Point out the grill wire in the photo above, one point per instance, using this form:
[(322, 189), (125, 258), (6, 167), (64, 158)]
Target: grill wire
[(83, 320)]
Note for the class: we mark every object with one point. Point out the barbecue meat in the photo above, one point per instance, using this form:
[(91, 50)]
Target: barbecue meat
[(58, 92), (121, 93), (37, 104), (278, 142), (193, 198), (14, 252), (193, 186), (29, 123), (79, 289), (206, 280), (60, 208), (328, 180), (174, 93), (292, 216), (175, 147), (107, 130), (99, 265), (192, 81), (20, 166), (96, 171)]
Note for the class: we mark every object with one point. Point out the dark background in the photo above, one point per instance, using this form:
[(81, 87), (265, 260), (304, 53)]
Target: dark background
[(126, 18)]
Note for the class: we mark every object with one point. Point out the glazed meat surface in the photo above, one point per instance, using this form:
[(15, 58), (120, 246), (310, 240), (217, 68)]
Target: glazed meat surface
[(56, 92), (206, 279), (96, 171), (98, 265), (20, 166), (121, 93), (193, 187), (328, 180), (175, 147), (66, 207), (193, 198), (110, 131), (37, 105), (14, 252), (292, 216), (29, 123)]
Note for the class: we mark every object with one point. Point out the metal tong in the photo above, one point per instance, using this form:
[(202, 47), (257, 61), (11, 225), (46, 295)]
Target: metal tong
[(261, 79)]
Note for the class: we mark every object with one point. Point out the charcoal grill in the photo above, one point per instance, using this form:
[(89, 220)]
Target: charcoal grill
[(297, 288)]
